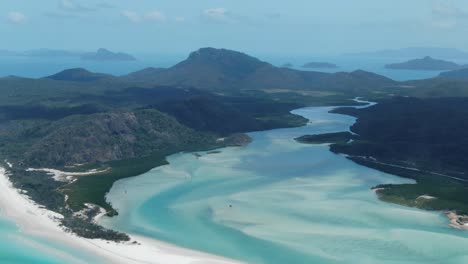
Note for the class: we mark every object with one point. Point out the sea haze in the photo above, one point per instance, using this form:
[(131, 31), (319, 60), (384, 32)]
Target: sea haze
[(277, 201)]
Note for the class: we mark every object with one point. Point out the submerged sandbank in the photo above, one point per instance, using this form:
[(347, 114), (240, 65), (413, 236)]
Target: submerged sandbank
[(37, 221)]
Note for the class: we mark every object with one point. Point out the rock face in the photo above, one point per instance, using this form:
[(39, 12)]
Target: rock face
[(427, 63), (106, 55), (111, 136)]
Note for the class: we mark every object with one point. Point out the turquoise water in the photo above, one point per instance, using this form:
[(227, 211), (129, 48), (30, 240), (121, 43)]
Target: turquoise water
[(277, 201), (17, 247)]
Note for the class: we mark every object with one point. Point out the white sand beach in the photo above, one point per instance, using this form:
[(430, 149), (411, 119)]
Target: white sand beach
[(40, 222)]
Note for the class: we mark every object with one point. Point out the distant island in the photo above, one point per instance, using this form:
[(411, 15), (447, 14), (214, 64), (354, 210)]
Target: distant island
[(426, 64), (107, 55), (287, 65), (99, 55), (319, 65), (414, 52)]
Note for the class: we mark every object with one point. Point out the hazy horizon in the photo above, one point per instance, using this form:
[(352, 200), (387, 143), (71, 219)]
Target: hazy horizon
[(273, 27)]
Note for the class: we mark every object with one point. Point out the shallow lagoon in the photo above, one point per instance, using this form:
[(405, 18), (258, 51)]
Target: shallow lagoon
[(278, 201)]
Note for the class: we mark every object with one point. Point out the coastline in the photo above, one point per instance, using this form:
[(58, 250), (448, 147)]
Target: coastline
[(456, 221), (37, 221)]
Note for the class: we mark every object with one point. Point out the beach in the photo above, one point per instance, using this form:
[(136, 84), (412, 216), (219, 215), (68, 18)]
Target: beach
[(37, 221)]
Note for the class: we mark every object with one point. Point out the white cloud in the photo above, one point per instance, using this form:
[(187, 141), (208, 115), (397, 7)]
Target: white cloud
[(17, 17), (131, 15), (447, 16), (223, 15), (156, 16), (218, 14)]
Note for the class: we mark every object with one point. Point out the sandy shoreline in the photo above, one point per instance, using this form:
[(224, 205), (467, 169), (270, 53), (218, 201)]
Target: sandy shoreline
[(43, 223), (458, 221)]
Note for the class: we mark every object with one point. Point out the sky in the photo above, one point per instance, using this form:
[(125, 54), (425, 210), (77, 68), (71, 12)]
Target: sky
[(260, 26)]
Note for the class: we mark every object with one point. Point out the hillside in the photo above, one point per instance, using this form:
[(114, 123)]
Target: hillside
[(145, 74), (105, 137), (226, 70), (421, 139), (459, 75)]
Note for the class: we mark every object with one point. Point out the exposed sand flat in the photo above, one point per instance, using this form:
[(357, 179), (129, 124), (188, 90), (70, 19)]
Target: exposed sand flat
[(426, 197), (41, 222), (64, 176), (458, 221)]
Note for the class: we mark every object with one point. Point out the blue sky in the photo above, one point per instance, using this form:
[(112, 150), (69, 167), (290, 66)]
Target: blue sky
[(275, 26)]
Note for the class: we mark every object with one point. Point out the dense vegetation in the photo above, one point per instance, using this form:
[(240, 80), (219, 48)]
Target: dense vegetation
[(224, 70), (422, 139)]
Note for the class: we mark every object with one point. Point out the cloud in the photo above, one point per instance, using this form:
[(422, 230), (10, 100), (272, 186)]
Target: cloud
[(72, 6), (17, 17), (222, 15), (218, 14), (447, 16), (155, 16)]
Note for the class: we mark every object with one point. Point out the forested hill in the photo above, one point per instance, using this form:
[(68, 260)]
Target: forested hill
[(221, 69), (421, 133), (422, 139)]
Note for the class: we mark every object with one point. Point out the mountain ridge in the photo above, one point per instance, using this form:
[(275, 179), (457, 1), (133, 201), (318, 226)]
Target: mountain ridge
[(222, 69)]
